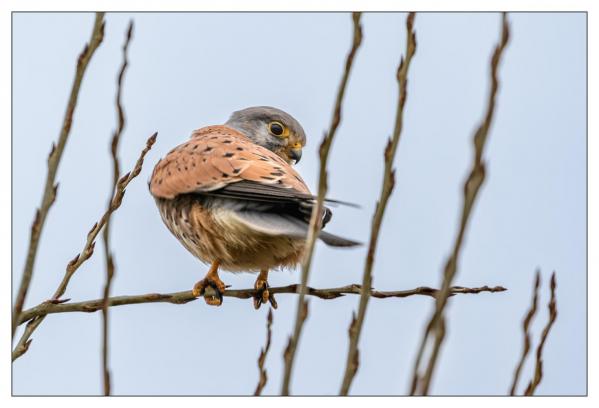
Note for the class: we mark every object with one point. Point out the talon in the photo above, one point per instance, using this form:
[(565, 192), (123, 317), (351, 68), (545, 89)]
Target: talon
[(257, 303), (198, 289), (212, 290), (263, 295), (272, 301)]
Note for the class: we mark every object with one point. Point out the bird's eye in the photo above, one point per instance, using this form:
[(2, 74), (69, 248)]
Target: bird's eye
[(276, 128)]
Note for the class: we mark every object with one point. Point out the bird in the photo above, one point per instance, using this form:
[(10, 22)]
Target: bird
[(232, 198)]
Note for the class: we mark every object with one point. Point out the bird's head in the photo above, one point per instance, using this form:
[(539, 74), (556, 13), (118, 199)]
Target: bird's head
[(271, 128)]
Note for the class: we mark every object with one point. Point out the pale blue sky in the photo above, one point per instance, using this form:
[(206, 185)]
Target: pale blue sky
[(191, 70)]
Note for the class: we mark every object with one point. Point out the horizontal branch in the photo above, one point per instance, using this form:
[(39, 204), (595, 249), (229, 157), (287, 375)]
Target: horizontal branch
[(50, 307)]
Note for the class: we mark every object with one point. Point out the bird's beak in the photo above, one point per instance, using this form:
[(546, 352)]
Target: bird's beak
[(295, 154)]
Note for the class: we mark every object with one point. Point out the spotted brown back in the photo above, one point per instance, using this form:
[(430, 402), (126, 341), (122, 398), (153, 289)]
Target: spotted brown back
[(216, 156)]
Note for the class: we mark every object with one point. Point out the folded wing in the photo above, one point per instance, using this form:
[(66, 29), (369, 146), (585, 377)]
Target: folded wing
[(223, 168)]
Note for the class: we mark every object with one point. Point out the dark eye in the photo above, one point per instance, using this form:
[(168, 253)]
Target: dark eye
[(276, 128)]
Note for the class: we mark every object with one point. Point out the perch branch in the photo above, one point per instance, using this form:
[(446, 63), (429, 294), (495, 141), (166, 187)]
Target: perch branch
[(54, 157), (183, 297), (538, 376), (88, 249), (315, 221), (116, 172), (262, 358), (525, 329), (351, 365), (436, 325)]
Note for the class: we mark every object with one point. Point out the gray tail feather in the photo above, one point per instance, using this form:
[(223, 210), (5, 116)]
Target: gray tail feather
[(280, 225), (336, 241)]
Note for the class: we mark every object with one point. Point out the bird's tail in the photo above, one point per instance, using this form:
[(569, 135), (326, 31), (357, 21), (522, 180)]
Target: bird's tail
[(336, 241)]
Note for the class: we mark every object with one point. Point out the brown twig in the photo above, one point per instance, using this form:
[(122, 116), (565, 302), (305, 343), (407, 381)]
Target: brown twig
[(421, 382), (315, 221), (525, 329), (116, 172), (88, 248), (538, 376), (54, 157), (351, 365), (23, 344), (262, 357), (183, 297)]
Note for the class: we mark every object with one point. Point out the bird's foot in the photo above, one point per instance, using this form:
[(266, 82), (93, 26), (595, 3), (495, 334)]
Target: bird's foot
[(212, 288), (263, 295)]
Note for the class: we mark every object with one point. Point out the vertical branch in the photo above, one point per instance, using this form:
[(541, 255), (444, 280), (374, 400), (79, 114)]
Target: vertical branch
[(116, 171), (472, 185), (538, 376), (315, 221), (262, 358), (351, 365), (525, 328), (54, 157)]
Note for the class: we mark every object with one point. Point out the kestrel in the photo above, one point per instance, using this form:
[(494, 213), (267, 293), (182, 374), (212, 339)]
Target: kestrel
[(231, 197)]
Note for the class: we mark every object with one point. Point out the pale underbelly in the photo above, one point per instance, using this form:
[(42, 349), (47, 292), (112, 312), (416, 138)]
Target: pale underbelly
[(212, 235)]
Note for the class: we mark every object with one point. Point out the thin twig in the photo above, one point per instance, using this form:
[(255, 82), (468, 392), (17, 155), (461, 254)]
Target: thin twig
[(116, 172), (183, 297), (315, 221), (351, 365), (436, 325), (538, 376), (88, 248), (525, 329), (262, 358), (54, 157), (23, 344)]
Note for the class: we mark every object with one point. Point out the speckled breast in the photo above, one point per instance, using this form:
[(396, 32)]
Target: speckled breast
[(211, 233)]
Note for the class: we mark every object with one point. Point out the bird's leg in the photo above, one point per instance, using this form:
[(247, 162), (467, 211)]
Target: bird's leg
[(262, 293), (211, 287)]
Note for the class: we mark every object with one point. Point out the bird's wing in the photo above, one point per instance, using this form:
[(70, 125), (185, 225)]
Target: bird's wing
[(222, 164), (219, 156)]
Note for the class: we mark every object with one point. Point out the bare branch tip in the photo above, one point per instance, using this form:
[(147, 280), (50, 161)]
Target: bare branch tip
[(130, 30), (152, 139), (410, 20)]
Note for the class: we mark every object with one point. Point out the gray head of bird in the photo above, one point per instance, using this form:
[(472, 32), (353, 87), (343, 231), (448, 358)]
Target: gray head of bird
[(271, 128)]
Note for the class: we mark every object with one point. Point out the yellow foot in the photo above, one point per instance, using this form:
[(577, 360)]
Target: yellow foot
[(263, 295), (212, 288)]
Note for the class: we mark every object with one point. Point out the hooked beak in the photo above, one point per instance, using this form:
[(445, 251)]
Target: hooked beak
[(295, 154)]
